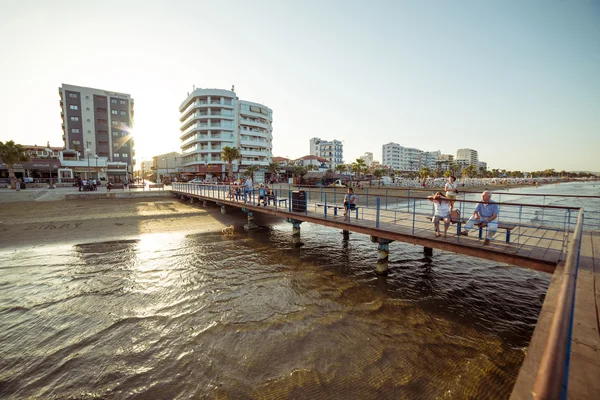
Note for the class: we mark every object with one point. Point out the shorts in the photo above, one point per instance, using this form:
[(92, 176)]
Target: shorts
[(350, 206), (451, 196)]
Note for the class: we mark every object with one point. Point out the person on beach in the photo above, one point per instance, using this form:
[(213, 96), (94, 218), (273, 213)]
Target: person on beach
[(441, 205), (486, 215), (349, 204), (451, 189)]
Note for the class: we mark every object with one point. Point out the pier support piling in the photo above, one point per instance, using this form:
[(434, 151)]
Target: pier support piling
[(428, 251), (383, 254), (251, 224), (295, 232), (346, 234), (204, 203), (223, 210), (192, 200)]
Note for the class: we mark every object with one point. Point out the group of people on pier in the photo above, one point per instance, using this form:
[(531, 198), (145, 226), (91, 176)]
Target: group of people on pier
[(485, 214)]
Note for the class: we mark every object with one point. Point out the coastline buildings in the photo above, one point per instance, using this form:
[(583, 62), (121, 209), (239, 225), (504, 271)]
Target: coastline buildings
[(166, 165), (215, 118), (401, 158), (468, 155), (99, 123), (332, 151), (367, 158)]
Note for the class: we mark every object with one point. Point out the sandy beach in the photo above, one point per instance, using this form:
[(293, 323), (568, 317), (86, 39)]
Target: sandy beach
[(40, 223)]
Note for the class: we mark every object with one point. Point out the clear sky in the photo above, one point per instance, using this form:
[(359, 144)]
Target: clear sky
[(519, 81)]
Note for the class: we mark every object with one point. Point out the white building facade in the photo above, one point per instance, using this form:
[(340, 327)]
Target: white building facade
[(401, 158), (368, 159), (467, 154), (99, 123), (212, 119), (332, 151)]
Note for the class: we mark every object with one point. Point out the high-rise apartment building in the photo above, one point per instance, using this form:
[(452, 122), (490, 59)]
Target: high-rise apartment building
[(367, 158), (332, 151), (467, 154), (99, 123), (212, 119), (401, 158)]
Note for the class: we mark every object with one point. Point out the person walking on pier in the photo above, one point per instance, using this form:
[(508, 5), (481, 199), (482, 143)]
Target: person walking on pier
[(451, 189), (349, 204), (442, 211), (486, 215)]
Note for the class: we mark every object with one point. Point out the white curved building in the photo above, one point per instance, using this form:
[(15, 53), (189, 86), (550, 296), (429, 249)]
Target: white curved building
[(214, 118)]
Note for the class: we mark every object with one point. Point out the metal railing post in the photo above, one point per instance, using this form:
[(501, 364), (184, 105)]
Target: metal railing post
[(414, 215), (386, 198), (289, 201), (377, 215), (325, 207)]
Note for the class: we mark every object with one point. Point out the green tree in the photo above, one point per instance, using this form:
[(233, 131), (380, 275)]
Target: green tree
[(273, 168), (10, 154), (229, 155), (299, 170), (341, 168), (378, 173), (359, 166), (250, 170), (447, 174), (425, 172)]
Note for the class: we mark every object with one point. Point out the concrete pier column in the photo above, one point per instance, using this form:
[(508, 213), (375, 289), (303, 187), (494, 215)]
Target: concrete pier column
[(223, 210), (251, 224), (346, 234), (296, 241), (192, 200), (383, 254), (428, 251), (204, 203)]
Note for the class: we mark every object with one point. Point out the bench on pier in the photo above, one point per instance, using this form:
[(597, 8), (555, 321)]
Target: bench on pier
[(156, 186), (501, 225), (116, 186), (136, 186), (337, 207)]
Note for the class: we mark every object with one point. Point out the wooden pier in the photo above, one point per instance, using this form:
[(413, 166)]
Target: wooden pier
[(564, 351)]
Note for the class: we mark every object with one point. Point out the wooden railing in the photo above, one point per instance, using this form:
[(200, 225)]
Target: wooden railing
[(552, 377)]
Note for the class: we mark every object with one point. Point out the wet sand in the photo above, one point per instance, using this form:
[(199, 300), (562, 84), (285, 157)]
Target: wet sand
[(34, 224)]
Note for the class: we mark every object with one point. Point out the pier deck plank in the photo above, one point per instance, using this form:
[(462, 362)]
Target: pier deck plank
[(584, 366)]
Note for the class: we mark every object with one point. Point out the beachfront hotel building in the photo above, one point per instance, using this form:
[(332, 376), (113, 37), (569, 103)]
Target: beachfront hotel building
[(332, 151), (98, 123), (469, 155), (367, 158), (212, 119), (401, 158)]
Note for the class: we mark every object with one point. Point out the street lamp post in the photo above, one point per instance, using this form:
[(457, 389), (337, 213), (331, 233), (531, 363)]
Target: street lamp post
[(88, 158), (97, 175), (166, 159)]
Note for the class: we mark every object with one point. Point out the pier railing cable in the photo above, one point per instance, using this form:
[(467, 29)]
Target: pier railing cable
[(552, 377)]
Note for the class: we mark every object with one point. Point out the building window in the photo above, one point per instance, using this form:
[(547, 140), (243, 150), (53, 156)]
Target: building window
[(101, 109), (113, 101), (73, 107), (76, 142), (123, 133), (123, 112), (122, 101), (115, 144), (73, 95), (75, 119), (124, 155), (114, 112), (116, 155), (74, 130), (115, 123), (101, 121), (115, 133)]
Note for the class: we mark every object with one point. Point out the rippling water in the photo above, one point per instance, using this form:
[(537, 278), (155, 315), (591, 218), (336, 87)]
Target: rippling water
[(180, 316)]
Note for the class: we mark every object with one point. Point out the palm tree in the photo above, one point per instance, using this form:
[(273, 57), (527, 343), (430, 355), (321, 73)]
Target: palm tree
[(229, 154), (359, 166), (424, 173), (341, 168), (250, 170), (273, 168), (378, 174), (10, 154)]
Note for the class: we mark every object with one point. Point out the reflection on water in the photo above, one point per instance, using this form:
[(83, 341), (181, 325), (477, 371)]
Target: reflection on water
[(175, 316)]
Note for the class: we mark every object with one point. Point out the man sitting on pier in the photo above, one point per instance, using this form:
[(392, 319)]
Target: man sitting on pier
[(486, 215)]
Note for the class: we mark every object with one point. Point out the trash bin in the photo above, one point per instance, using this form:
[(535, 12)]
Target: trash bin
[(299, 201)]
